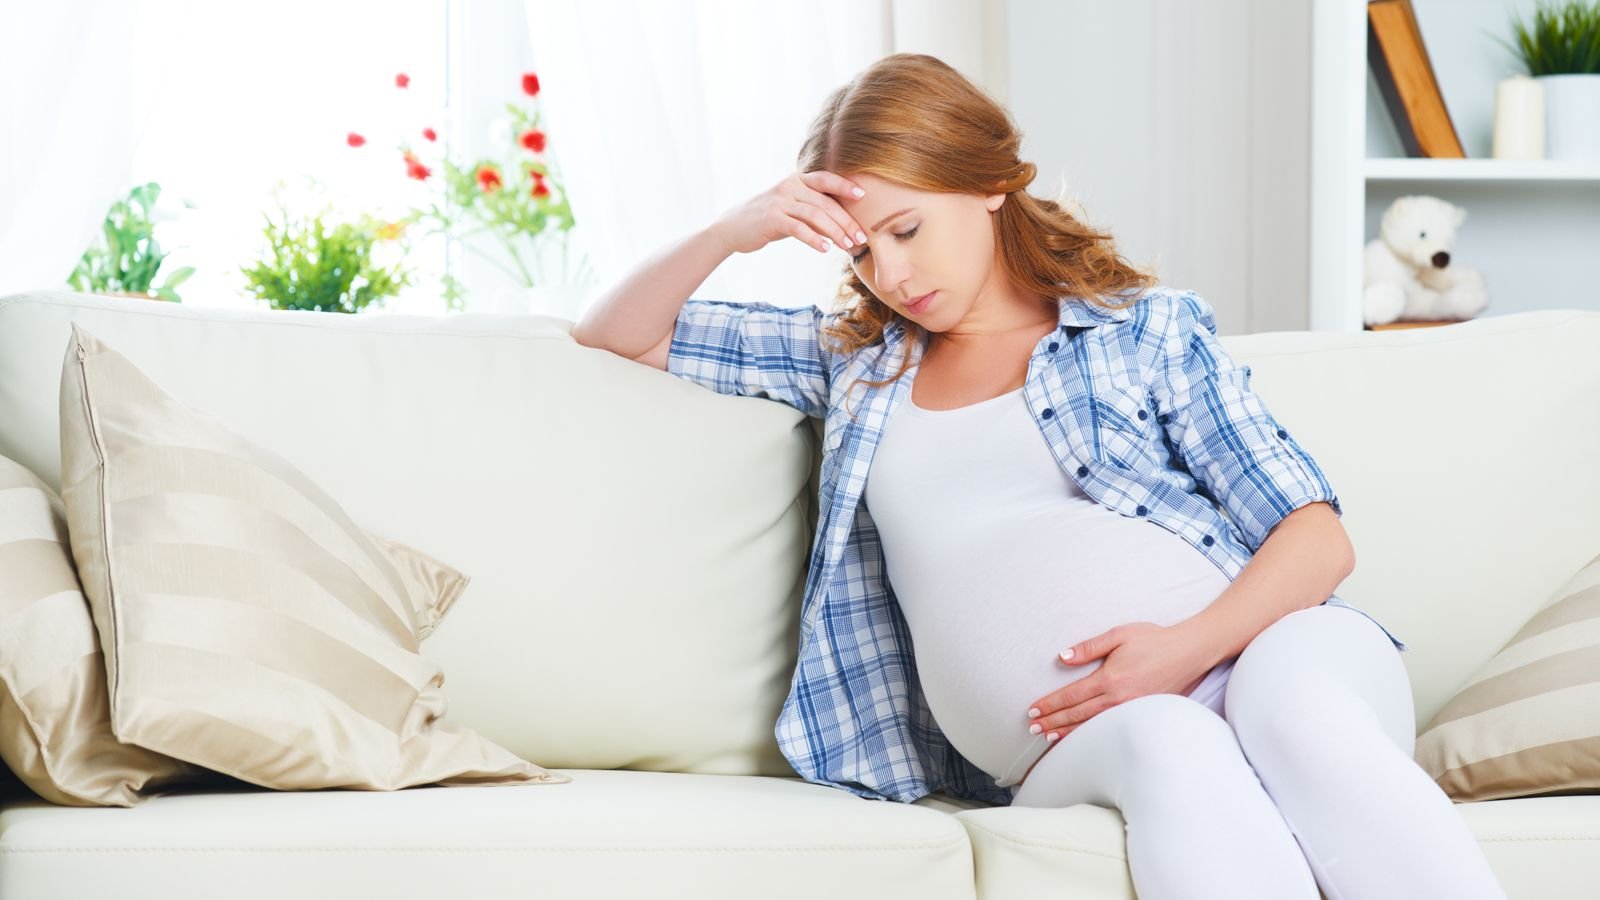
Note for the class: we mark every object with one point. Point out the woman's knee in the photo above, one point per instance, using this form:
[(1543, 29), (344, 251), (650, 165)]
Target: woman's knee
[(1314, 676), (1170, 733)]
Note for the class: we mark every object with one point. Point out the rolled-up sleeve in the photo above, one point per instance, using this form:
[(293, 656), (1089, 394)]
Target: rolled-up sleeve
[(1223, 433), (754, 350)]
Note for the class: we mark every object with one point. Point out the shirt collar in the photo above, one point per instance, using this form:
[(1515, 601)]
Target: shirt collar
[(1075, 313)]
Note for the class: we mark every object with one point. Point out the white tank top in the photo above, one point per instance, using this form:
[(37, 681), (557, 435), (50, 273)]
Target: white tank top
[(999, 561)]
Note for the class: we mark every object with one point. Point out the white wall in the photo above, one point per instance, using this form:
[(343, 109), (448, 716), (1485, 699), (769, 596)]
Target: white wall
[(1183, 128)]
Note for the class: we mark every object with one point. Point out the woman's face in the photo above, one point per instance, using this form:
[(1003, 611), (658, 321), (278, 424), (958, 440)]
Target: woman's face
[(930, 242)]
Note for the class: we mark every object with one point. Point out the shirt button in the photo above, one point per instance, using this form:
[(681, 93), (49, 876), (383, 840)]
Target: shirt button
[(1048, 412), (1142, 511), (1282, 433), (1145, 415), (1054, 346), (1208, 540), (1082, 471)]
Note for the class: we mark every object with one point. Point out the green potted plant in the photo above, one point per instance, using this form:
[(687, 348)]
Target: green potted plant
[(126, 262), (1561, 50), (313, 264)]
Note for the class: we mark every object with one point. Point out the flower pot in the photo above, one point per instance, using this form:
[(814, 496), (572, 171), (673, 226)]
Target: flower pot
[(1572, 116)]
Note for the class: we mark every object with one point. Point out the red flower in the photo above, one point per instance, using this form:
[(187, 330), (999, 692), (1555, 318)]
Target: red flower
[(530, 84), (539, 187), (488, 179), (354, 140), (533, 140), (430, 134), (402, 80), (415, 168)]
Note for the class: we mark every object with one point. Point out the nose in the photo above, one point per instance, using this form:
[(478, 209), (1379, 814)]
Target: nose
[(1441, 259), (891, 274)]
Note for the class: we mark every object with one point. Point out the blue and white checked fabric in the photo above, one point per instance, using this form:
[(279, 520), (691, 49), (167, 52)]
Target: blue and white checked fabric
[(1141, 406)]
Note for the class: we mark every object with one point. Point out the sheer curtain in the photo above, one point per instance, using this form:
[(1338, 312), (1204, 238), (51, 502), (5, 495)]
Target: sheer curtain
[(671, 113), (68, 125)]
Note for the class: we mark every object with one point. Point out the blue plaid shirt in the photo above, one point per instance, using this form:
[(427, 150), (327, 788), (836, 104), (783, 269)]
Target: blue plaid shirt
[(1141, 406)]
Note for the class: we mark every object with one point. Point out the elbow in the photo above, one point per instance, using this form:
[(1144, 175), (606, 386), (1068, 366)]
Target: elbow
[(1347, 553)]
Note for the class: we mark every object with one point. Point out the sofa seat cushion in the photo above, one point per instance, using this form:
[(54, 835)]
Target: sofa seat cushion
[(1538, 846), (607, 833)]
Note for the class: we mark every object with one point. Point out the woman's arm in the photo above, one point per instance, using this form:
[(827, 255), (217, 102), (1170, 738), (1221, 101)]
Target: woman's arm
[(1303, 560), (636, 316), (1224, 434), (1271, 487)]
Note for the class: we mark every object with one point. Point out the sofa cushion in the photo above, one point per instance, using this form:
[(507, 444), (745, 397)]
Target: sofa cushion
[(1528, 722), (55, 731), (247, 625), (1538, 847), (606, 834)]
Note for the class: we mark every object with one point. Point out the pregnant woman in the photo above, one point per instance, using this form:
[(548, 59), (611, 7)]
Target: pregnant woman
[(1065, 555)]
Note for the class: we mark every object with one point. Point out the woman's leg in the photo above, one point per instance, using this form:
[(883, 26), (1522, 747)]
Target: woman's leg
[(1199, 824), (1321, 705)]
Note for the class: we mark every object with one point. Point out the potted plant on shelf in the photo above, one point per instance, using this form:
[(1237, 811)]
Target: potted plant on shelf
[(1561, 50), (314, 264), (515, 200), (127, 261)]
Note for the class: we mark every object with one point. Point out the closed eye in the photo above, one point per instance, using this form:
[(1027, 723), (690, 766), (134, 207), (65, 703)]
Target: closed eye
[(899, 237)]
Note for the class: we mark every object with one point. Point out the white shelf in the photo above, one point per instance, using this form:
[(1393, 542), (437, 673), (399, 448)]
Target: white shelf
[(1482, 170), (1531, 225)]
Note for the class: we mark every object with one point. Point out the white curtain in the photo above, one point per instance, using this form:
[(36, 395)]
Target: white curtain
[(669, 114), (67, 131)]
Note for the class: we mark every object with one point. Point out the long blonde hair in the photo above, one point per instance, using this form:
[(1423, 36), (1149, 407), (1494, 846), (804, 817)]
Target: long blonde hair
[(912, 119)]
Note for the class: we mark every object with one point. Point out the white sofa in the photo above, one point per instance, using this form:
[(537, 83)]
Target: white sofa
[(637, 545)]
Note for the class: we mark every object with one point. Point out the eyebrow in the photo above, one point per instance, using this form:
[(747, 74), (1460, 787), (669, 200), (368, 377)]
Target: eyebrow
[(891, 216)]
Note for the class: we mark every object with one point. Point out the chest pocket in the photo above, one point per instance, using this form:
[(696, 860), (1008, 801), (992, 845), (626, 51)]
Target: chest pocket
[(1126, 432)]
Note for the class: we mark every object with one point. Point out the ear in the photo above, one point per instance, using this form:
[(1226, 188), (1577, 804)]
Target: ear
[(994, 201)]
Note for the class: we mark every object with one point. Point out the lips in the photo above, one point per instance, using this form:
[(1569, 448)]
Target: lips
[(921, 303)]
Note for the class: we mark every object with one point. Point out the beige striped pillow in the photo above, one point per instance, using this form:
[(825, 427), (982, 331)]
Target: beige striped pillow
[(55, 730), (248, 625), (1528, 722)]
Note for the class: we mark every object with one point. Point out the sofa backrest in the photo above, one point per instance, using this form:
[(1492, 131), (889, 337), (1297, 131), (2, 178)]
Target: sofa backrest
[(1467, 460), (638, 544)]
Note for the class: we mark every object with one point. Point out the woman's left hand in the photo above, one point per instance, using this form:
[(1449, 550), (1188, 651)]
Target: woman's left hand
[(1140, 658)]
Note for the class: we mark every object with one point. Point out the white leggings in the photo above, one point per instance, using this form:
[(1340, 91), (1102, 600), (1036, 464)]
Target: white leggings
[(1304, 779)]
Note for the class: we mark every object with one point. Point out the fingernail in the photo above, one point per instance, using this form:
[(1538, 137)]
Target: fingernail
[(861, 237), (1066, 654), (858, 192), (1033, 712), (1052, 737), (1035, 728)]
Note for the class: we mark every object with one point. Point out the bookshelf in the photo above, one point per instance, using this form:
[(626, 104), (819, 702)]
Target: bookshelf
[(1532, 227)]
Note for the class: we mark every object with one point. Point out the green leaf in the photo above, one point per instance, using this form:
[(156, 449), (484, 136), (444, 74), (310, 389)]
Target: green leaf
[(178, 276)]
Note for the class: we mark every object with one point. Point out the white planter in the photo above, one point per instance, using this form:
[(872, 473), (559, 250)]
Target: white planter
[(1572, 116)]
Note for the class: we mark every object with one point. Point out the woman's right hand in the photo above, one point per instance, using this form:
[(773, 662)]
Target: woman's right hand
[(801, 206)]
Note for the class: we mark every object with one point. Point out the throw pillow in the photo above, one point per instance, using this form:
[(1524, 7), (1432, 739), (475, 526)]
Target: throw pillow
[(248, 625), (55, 729), (1528, 722)]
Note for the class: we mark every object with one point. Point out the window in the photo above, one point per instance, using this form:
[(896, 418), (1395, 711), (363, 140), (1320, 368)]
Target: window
[(237, 96)]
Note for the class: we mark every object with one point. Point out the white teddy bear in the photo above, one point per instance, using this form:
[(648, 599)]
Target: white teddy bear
[(1408, 272)]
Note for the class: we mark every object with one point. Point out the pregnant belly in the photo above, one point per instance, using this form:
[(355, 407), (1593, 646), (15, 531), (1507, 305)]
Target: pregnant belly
[(982, 665)]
